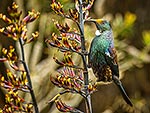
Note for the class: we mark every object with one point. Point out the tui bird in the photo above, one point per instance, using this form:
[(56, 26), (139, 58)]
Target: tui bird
[(102, 57)]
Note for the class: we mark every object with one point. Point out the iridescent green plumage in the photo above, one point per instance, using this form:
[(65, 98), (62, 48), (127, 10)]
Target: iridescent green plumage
[(102, 57)]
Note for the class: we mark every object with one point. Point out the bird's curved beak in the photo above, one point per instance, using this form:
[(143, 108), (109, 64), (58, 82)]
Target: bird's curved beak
[(97, 22)]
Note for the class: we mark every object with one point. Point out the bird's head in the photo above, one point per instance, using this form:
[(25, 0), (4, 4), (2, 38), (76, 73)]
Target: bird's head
[(101, 24)]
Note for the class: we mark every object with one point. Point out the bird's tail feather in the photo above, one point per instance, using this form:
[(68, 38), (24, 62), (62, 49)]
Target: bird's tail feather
[(124, 94)]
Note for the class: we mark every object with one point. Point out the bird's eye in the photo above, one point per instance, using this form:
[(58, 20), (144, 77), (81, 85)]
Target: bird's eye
[(103, 23)]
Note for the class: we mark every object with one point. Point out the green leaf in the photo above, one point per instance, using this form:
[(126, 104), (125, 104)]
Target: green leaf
[(146, 37)]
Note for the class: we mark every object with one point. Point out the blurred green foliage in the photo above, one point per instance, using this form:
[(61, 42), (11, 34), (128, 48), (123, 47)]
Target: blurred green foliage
[(146, 37), (123, 26)]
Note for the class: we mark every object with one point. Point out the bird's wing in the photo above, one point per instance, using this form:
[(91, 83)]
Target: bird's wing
[(112, 62), (111, 59)]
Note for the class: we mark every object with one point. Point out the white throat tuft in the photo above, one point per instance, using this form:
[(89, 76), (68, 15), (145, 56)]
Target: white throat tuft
[(97, 33)]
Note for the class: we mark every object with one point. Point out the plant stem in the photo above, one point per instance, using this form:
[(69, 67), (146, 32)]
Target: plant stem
[(86, 76), (28, 76)]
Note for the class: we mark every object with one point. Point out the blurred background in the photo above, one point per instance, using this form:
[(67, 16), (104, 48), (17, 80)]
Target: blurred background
[(130, 21)]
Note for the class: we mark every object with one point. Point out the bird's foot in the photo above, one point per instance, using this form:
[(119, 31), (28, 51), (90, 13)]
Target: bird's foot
[(84, 52)]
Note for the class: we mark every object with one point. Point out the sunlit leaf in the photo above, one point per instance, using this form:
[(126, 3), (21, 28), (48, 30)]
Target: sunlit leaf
[(146, 37), (129, 18)]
